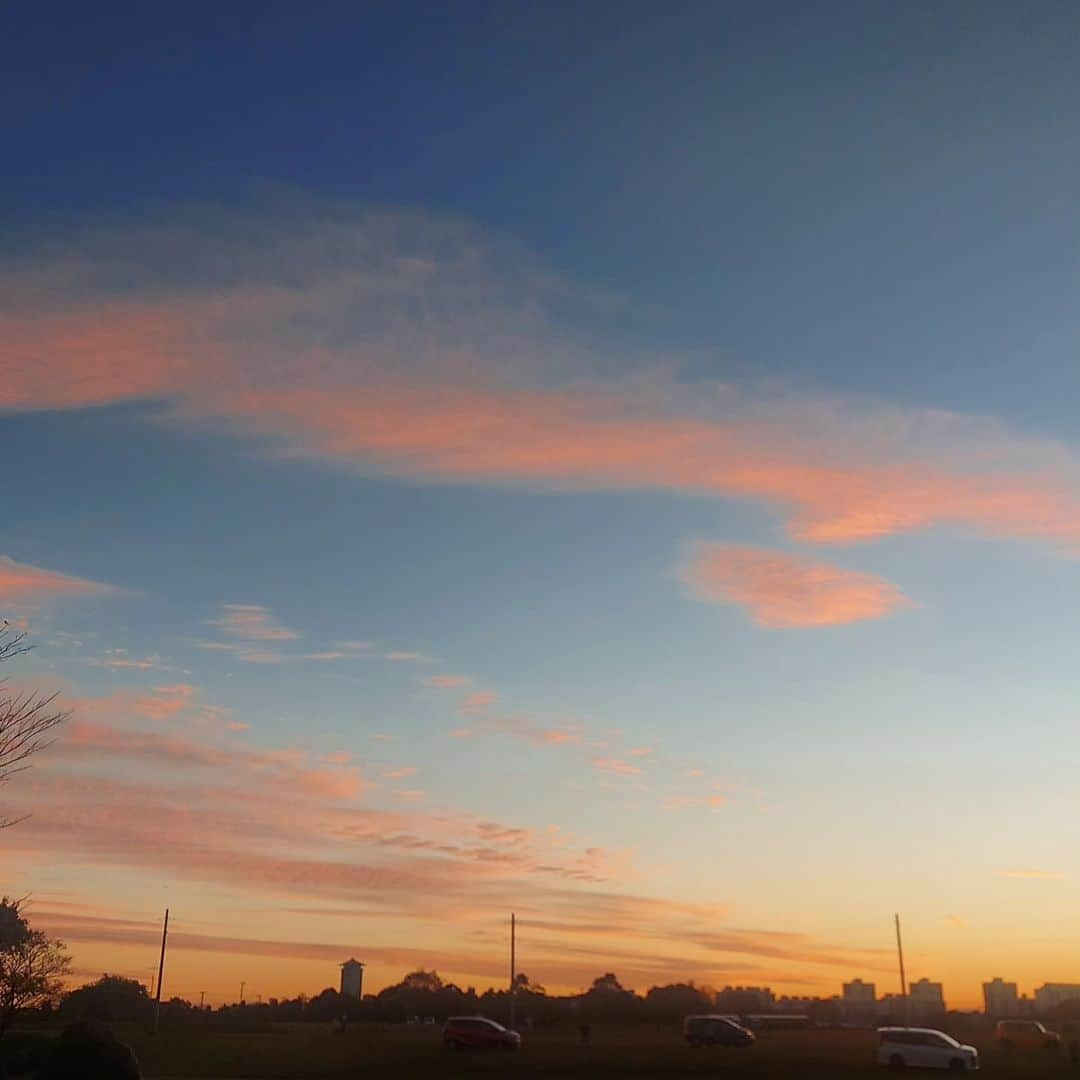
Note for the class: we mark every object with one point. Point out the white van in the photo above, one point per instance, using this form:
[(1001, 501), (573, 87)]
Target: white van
[(924, 1048)]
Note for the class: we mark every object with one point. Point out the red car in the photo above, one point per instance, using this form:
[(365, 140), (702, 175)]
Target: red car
[(1026, 1035), (478, 1033)]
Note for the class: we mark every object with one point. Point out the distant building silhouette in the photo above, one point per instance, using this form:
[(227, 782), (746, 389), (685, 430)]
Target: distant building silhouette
[(893, 1009), (1050, 996), (817, 1009), (859, 1000), (1000, 999), (352, 979), (927, 1001), (745, 999)]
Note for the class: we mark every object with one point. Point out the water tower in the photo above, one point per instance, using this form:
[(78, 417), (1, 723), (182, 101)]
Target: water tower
[(352, 979)]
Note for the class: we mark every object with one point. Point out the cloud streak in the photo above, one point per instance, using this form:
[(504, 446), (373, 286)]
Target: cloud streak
[(785, 591), (398, 346), (253, 622), (20, 582)]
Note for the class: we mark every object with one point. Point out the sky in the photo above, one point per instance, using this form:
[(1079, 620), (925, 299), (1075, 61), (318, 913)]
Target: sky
[(608, 464)]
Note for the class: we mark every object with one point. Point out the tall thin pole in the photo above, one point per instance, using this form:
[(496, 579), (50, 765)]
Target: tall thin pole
[(513, 969), (242, 985), (202, 998), (161, 970), (900, 954)]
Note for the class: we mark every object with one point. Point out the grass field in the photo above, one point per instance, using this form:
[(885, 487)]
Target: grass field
[(314, 1051)]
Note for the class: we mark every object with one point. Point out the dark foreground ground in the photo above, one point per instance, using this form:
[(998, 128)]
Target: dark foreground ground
[(310, 1051)]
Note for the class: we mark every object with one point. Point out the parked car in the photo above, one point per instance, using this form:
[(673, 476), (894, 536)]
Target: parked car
[(924, 1048), (1026, 1035), (478, 1033), (713, 1030)]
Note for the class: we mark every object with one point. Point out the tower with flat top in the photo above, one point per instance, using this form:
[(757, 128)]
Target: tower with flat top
[(352, 979)]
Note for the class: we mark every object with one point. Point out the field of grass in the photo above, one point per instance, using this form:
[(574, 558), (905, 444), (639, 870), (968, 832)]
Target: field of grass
[(307, 1052)]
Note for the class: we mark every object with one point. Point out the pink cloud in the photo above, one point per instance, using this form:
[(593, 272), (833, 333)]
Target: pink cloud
[(160, 704), (446, 682), (20, 582), (479, 700), (552, 736), (253, 622), (339, 784), (781, 590), (403, 656), (121, 662), (83, 738), (837, 470), (166, 701), (397, 774), (617, 766), (337, 757)]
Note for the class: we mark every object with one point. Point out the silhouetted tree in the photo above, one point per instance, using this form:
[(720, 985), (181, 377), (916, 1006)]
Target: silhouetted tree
[(13, 927), (666, 1004), (607, 999), (25, 719), (109, 999), (326, 1005), (32, 966), (422, 980)]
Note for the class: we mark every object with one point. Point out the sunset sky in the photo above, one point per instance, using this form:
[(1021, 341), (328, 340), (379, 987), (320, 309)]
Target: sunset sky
[(612, 462)]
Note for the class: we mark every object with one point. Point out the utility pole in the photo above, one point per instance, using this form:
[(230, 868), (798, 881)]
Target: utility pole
[(513, 970), (202, 998), (161, 971), (242, 985), (903, 980)]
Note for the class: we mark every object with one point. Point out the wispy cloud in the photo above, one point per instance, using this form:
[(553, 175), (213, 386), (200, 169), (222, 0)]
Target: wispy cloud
[(176, 751), (253, 622), (119, 660), (160, 704), (478, 701), (21, 582), (617, 766), (683, 802), (332, 371), (402, 656), (397, 774), (785, 591), (446, 682)]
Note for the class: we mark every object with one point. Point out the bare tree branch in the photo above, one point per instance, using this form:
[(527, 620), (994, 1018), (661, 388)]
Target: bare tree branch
[(26, 720)]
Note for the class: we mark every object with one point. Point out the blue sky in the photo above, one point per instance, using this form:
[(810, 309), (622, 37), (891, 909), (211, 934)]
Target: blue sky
[(448, 333)]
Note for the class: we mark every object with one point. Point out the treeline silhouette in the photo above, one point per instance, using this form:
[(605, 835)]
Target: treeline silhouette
[(423, 996), (420, 996)]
